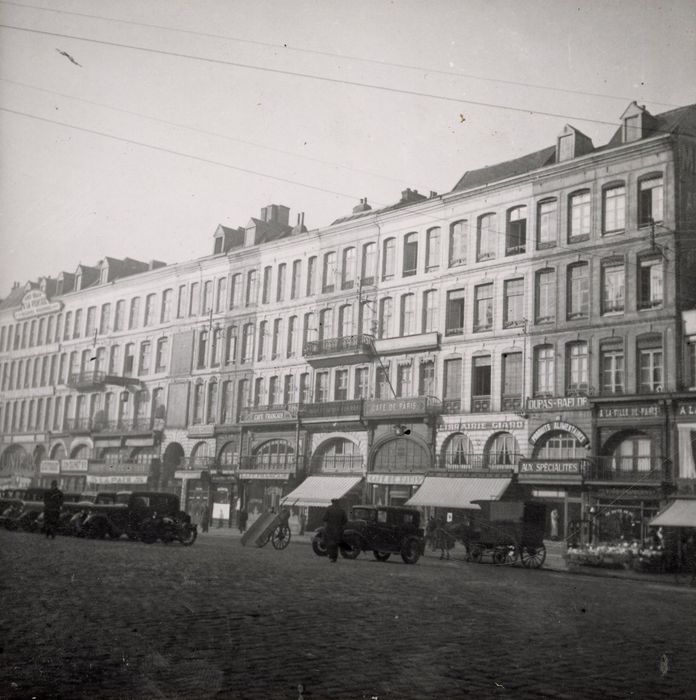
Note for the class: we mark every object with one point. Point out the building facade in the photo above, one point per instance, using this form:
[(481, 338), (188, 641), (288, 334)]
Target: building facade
[(536, 321)]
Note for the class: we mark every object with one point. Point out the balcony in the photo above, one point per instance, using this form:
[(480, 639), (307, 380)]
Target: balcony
[(630, 470), (480, 404), (331, 411), (511, 403), (418, 342), (482, 462), (271, 413), (349, 349), (87, 381), (452, 406), (123, 426)]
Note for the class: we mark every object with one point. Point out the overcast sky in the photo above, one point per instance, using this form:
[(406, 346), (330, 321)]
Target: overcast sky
[(69, 196)]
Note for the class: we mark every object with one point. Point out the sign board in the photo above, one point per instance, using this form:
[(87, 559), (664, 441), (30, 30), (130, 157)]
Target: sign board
[(267, 416), (49, 466), (401, 479), (36, 303), (74, 465), (264, 475), (686, 411), (647, 410), (550, 470), (116, 479), (380, 408), (447, 425), (559, 425), (558, 403)]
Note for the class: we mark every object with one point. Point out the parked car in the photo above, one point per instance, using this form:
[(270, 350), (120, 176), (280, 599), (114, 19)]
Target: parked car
[(384, 530)]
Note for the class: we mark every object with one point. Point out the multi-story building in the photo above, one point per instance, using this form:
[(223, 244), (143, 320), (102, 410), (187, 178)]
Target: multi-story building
[(534, 323)]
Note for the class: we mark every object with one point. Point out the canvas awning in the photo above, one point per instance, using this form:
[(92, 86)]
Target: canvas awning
[(319, 490), (458, 492), (680, 513)]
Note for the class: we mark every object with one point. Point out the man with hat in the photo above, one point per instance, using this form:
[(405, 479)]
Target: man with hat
[(335, 519)]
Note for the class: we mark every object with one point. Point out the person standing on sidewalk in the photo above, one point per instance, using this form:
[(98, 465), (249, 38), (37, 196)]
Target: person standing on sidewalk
[(242, 520), (53, 502), (205, 518), (335, 518)]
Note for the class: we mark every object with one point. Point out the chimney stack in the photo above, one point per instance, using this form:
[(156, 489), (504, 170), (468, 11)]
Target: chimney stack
[(363, 206)]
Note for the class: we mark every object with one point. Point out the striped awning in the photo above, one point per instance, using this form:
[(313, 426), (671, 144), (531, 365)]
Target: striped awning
[(319, 490), (680, 513), (458, 492)]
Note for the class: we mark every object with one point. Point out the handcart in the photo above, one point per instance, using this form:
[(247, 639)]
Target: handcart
[(271, 527)]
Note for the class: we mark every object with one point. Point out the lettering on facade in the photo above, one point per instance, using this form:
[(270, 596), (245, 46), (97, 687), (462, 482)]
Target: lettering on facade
[(36, 303), (266, 416), (466, 426), (264, 475), (549, 467), (116, 479), (395, 407), (49, 466), (73, 465), (687, 410), (645, 411), (559, 425), (401, 479), (555, 403)]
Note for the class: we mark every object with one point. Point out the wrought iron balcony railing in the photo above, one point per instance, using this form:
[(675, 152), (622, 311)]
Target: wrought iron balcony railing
[(86, 380), (331, 409), (482, 462), (359, 344), (631, 469)]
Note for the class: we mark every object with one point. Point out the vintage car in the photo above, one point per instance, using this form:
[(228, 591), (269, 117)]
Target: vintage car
[(384, 530), (140, 515)]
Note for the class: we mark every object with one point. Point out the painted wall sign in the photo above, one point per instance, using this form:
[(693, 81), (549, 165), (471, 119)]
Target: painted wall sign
[(650, 410), (562, 426), (558, 403), (49, 466), (560, 466), (466, 426), (395, 407), (117, 468), (264, 416), (686, 410), (402, 479), (73, 465), (36, 303), (116, 479), (264, 475)]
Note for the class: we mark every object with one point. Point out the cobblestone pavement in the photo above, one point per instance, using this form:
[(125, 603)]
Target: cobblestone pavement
[(102, 619)]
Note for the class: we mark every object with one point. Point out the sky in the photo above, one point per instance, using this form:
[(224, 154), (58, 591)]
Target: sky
[(114, 150)]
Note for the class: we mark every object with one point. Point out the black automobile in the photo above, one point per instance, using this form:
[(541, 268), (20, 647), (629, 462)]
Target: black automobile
[(384, 530)]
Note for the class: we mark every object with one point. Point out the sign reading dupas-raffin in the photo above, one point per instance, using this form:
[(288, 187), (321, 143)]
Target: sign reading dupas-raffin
[(36, 303), (558, 403)]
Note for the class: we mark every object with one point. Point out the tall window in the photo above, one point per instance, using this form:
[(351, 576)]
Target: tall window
[(388, 258), (207, 296), (328, 278), (104, 320), (650, 202), (181, 302), (282, 281), (512, 381), (231, 345), (243, 395), (514, 303), (545, 296), (292, 336), (149, 310), (613, 288), (577, 366), (579, 215), (216, 347), (114, 360), (166, 311), (385, 317), (252, 290), (578, 291), (77, 328), (361, 388), (404, 380), (516, 231), (321, 393), (432, 249), (288, 388), (274, 395), (296, 279), (426, 378), (236, 291), (345, 321), (544, 370), (263, 340), (408, 314), (305, 388), (650, 365), (481, 382), (650, 283), (202, 348), (311, 275), (486, 239), (221, 301), (308, 330), (547, 223), (341, 385), (248, 342), (211, 411), (367, 317), (90, 328), (410, 265), (267, 276), (383, 388), (259, 391), (162, 355), (144, 363), (613, 208), (429, 311), (277, 330), (483, 307), (128, 359), (348, 269), (195, 299), (452, 381), (369, 263), (612, 368), (325, 324), (455, 312), (458, 242)]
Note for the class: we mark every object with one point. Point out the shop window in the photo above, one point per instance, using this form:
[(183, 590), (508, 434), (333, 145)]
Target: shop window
[(545, 296), (502, 452), (516, 231), (455, 312), (410, 261), (275, 454), (402, 455), (650, 283), (559, 445), (650, 200), (634, 454), (458, 242), (338, 455)]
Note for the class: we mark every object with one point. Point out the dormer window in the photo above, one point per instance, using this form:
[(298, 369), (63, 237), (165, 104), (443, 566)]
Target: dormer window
[(572, 143), (636, 121)]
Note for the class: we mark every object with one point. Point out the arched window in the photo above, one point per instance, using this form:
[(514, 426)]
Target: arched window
[(211, 412), (229, 454), (199, 455), (516, 231), (486, 240), (275, 454), (345, 321), (457, 453), (402, 455), (502, 452), (338, 455), (348, 269)]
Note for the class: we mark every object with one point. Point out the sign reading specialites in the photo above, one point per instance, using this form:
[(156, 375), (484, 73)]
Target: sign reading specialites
[(560, 425), (558, 403), (36, 303), (549, 466)]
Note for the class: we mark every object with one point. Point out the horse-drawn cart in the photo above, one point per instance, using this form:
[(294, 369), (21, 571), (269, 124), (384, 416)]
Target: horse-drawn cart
[(271, 527), (506, 531)]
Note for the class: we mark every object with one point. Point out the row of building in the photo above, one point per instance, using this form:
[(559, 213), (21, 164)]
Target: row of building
[(537, 321)]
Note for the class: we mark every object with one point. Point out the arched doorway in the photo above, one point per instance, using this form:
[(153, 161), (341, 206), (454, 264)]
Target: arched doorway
[(80, 452), (337, 455), (16, 467), (58, 451), (171, 461), (397, 467)]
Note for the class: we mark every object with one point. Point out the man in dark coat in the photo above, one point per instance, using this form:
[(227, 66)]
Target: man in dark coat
[(53, 501), (205, 518), (335, 519), (242, 520)]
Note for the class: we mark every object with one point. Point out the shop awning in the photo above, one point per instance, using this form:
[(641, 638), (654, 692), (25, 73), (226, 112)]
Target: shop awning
[(681, 513), (319, 490), (458, 492)]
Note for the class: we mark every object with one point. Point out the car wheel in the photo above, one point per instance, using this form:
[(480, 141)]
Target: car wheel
[(319, 546), (350, 548), (189, 534), (476, 554), (410, 550), (381, 556), (148, 533)]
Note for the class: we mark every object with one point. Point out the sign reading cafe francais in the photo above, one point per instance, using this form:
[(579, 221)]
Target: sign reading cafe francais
[(36, 303)]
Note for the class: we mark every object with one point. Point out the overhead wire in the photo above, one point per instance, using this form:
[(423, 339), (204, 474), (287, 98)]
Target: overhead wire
[(330, 54)]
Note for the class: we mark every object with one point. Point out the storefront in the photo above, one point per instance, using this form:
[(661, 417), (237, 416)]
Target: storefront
[(119, 476), (685, 414)]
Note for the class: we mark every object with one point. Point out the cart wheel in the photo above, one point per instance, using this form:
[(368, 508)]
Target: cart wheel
[(280, 537), (500, 556), (533, 557), (476, 554)]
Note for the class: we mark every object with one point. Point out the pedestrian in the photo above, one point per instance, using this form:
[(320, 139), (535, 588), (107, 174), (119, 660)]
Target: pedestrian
[(443, 539), (335, 519), (431, 531), (242, 520), (303, 521), (53, 502), (205, 518)]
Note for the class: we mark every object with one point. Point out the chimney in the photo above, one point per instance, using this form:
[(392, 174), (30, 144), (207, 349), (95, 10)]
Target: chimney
[(409, 195), (432, 194), (363, 206), (299, 226)]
